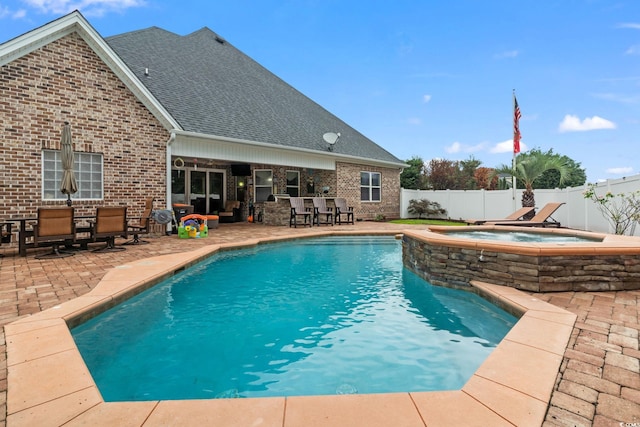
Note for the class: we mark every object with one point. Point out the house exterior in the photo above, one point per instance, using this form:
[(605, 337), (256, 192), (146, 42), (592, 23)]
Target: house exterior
[(185, 119)]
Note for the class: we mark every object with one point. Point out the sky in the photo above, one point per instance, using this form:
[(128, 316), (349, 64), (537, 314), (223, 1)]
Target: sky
[(432, 79)]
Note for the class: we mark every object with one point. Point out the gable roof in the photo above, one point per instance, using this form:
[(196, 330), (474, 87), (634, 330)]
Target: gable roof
[(75, 22), (211, 88)]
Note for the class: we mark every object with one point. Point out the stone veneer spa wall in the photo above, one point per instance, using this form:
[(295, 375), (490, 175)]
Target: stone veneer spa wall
[(608, 265)]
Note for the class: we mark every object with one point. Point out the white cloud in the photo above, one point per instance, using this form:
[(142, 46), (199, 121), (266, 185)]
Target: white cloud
[(457, 147), (506, 147), (507, 54), (620, 171), (87, 7), (632, 25), (17, 14), (633, 50), (426, 98), (632, 79), (414, 121), (453, 148), (624, 99), (572, 123)]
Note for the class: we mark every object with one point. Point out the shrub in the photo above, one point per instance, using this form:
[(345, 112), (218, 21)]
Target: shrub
[(425, 207), (621, 210)]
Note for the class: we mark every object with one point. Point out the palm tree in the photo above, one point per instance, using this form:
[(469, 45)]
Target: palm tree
[(531, 168)]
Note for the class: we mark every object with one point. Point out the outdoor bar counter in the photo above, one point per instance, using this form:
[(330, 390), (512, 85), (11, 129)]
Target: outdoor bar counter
[(278, 212)]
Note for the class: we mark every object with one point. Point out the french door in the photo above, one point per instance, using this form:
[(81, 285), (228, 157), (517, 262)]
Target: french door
[(204, 189)]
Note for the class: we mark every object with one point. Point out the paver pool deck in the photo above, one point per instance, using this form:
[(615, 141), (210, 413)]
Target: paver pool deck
[(572, 362)]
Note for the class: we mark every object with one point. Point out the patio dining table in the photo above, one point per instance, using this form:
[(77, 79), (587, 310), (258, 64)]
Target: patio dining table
[(24, 233)]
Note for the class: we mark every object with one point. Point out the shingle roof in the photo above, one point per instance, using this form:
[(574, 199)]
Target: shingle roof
[(212, 88)]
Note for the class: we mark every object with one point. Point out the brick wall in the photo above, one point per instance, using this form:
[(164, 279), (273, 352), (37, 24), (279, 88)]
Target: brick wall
[(344, 182), (67, 81), (348, 186)]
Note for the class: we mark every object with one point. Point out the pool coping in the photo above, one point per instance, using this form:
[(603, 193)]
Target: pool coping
[(48, 382)]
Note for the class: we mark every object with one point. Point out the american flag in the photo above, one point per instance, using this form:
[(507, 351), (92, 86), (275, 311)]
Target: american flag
[(516, 126)]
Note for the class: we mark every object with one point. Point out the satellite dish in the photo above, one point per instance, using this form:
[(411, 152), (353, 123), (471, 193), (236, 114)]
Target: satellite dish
[(331, 138)]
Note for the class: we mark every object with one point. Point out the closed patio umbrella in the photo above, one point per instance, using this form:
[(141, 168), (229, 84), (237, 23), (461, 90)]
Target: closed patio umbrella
[(68, 183)]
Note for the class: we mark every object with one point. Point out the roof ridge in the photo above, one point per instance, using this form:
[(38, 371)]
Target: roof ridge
[(141, 31)]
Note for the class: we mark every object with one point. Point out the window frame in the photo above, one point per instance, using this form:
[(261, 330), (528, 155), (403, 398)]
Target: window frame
[(287, 186), (257, 186), (370, 188)]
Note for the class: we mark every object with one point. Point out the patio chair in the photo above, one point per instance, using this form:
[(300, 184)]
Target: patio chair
[(343, 209), (299, 210), (231, 212), (110, 223), (541, 219), (517, 215), (320, 208), (55, 227), (5, 233), (143, 226)]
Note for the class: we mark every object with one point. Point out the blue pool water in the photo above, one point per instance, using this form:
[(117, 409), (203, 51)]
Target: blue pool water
[(308, 317), (521, 236)]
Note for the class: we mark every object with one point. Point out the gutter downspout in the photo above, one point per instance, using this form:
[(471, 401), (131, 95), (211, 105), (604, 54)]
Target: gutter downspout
[(170, 141)]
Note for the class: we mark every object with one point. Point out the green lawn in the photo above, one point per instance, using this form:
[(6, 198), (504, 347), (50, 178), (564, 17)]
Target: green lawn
[(427, 222)]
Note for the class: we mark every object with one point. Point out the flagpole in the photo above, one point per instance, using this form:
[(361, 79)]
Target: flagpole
[(513, 183), (513, 163)]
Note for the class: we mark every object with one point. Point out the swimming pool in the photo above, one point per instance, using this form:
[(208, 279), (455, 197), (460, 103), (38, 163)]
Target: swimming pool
[(338, 341)]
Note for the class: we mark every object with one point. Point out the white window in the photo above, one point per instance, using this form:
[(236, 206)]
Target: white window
[(263, 184), (370, 186), (293, 183), (88, 171)]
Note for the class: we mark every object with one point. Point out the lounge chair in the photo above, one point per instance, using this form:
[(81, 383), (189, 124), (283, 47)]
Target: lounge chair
[(517, 215), (299, 210), (110, 223), (343, 209), (541, 219), (320, 208), (55, 227), (143, 226)]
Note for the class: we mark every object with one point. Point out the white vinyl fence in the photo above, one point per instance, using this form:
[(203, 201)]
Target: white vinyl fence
[(577, 212)]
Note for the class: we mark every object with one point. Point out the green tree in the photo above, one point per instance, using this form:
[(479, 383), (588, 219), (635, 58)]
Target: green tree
[(530, 168), (412, 177), (551, 179), (467, 169)]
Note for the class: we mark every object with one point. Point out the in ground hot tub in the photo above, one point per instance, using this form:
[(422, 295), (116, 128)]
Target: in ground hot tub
[(570, 260)]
